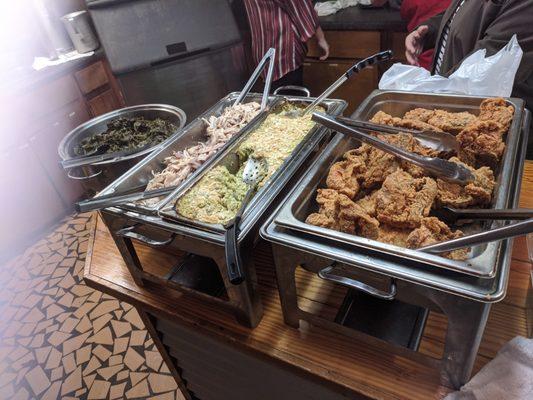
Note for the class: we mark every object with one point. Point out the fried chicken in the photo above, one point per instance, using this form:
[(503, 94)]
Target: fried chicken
[(327, 215), (354, 219), (337, 211), (481, 144), (497, 110), (403, 201), (451, 122), (418, 124), (477, 193), (395, 236), (377, 165), (343, 176), (368, 203), (431, 231), (419, 114)]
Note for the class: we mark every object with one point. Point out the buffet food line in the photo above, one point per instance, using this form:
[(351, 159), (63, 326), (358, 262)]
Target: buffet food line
[(354, 214)]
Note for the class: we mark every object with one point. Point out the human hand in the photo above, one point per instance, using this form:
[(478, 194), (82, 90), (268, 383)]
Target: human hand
[(414, 43), (324, 49)]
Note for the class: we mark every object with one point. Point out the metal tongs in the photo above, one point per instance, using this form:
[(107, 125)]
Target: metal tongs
[(374, 59), (254, 172), (270, 57), (111, 199), (436, 140), (517, 229), (437, 167)]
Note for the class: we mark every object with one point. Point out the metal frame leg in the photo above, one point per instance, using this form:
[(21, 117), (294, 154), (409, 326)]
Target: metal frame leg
[(286, 277), (466, 323)]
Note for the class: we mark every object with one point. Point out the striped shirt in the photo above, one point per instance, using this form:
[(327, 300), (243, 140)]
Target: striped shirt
[(285, 25), (444, 40)]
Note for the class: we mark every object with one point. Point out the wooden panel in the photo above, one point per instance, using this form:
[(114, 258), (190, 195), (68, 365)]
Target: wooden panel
[(91, 77), (398, 45), (45, 143), (347, 44), (103, 103), (319, 75)]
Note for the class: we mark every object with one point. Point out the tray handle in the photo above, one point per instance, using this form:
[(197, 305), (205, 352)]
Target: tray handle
[(295, 88), (328, 275), (129, 233)]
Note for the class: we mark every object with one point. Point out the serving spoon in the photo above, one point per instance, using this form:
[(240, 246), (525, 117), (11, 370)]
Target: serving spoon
[(255, 170)]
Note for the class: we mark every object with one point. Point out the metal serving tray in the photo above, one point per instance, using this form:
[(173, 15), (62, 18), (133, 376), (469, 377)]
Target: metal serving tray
[(472, 287), (484, 259), (275, 184), (136, 179)]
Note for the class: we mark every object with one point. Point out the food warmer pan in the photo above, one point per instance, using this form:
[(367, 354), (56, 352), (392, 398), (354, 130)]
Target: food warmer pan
[(484, 259)]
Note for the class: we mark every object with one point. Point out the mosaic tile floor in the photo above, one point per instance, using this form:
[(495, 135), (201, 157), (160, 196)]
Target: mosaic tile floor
[(60, 339)]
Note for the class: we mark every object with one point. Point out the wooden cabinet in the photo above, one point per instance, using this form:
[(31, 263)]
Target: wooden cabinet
[(103, 103), (92, 77), (347, 47)]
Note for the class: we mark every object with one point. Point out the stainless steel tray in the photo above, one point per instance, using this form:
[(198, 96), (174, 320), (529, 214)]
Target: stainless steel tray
[(271, 189), (464, 285), (136, 179), (484, 259)]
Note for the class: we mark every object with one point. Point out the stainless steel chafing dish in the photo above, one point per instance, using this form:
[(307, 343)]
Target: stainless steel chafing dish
[(484, 259), (136, 179), (464, 296), (131, 224)]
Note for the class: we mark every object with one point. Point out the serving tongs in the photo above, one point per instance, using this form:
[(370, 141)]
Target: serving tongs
[(269, 57), (451, 215), (254, 172), (505, 232), (437, 140), (372, 60), (111, 199), (101, 155), (437, 167)]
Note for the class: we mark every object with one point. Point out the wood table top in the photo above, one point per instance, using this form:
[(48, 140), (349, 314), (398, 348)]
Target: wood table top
[(328, 357)]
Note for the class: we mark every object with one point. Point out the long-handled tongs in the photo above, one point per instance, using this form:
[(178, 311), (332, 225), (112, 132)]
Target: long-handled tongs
[(436, 140), (451, 215), (358, 66), (438, 167), (270, 56), (517, 229)]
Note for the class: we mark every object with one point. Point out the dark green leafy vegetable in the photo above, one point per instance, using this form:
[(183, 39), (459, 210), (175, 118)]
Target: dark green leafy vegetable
[(124, 134)]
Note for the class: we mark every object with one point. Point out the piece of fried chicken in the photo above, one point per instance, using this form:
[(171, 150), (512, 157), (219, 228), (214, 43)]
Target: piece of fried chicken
[(477, 193), (431, 231), (403, 201), (497, 110), (481, 144), (442, 120)]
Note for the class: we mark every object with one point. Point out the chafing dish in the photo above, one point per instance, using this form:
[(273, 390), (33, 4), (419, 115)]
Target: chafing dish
[(464, 298), (175, 235), (484, 259)]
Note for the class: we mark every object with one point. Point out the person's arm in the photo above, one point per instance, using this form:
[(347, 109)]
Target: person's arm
[(422, 38), (305, 19)]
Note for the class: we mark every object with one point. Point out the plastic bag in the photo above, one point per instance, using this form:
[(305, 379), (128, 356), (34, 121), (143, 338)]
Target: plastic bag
[(331, 7), (477, 75)]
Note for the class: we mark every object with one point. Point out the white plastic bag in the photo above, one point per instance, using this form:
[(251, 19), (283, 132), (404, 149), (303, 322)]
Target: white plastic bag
[(477, 75), (331, 7)]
